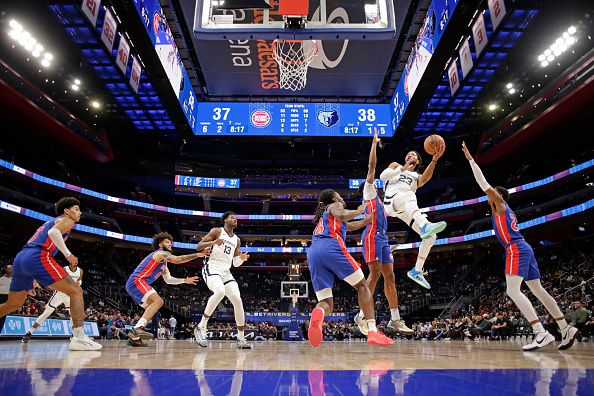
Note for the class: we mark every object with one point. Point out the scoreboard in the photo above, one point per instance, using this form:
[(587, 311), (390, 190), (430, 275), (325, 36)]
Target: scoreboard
[(205, 182), (293, 119)]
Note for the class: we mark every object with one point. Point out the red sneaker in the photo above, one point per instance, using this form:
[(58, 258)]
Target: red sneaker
[(314, 333), (379, 339)]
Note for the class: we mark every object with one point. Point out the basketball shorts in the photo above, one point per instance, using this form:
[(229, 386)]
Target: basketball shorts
[(395, 206), (57, 299), (210, 272), (376, 248), (139, 290), (327, 257), (35, 264), (520, 260)]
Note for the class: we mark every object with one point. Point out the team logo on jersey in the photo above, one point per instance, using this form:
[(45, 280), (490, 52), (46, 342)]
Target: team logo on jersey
[(261, 118), (328, 118)]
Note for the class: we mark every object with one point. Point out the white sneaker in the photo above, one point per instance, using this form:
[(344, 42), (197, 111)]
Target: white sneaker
[(84, 344), (242, 344), (201, 337), (400, 327), (541, 339), (362, 324), (568, 338)]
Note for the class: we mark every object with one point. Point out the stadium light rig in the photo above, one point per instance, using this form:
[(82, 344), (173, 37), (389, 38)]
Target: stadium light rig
[(560, 45), (26, 40)]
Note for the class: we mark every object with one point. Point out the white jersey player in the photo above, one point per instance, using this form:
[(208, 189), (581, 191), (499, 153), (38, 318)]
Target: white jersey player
[(56, 300), (217, 275), (400, 200)]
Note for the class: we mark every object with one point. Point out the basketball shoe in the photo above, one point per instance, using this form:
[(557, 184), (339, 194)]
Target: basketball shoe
[(540, 340), (400, 327), (84, 344), (242, 344), (140, 332), (379, 339), (568, 338), (201, 336), (315, 334), (430, 229), (362, 324), (418, 277)]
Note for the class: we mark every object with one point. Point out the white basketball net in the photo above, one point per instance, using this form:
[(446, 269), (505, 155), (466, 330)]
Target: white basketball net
[(293, 58)]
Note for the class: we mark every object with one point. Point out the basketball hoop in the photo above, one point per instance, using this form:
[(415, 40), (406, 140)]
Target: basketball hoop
[(293, 58)]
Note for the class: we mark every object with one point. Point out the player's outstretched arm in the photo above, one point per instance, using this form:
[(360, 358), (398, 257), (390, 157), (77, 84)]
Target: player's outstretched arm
[(482, 182), (428, 173), (239, 256), (210, 239), (343, 214), (81, 276), (372, 159), (62, 226), (358, 224), (170, 258), (170, 280)]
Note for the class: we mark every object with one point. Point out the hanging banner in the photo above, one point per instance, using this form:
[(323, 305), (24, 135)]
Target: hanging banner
[(135, 75), (91, 9), (123, 54), (497, 11), (453, 77), (109, 30), (465, 58), (479, 33)]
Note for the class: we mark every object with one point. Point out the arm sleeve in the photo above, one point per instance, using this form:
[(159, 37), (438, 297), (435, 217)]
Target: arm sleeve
[(369, 191), (478, 175), (170, 280), (237, 261), (389, 173), (56, 237)]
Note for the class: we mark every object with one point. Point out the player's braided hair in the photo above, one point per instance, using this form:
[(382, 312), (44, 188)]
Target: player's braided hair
[(325, 198)]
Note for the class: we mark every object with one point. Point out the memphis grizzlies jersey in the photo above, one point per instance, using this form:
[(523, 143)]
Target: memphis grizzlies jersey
[(74, 275), (379, 221), (506, 227), (42, 241), (330, 227), (402, 182), (149, 270), (221, 257)]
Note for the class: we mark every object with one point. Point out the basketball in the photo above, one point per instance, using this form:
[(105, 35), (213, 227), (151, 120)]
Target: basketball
[(432, 142)]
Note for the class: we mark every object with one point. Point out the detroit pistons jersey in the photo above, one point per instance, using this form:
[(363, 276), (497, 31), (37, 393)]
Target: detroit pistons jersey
[(379, 221), (221, 257), (402, 182), (42, 240), (506, 228), (149, 269), (330, 227)]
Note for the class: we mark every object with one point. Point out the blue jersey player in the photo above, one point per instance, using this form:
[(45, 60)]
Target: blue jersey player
[(520, 265), (377, 252), (328, 256), (36, 263), (148, 271)]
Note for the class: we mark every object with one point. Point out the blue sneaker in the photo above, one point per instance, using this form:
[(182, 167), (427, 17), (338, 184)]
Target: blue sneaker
[(431, 229), (419, 278)]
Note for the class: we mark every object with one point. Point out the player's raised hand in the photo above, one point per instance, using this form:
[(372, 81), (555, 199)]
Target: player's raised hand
[(361, 208), (466, 152), (439, 152), (205, 252), (191, 280), (376, 139), (244, 256)]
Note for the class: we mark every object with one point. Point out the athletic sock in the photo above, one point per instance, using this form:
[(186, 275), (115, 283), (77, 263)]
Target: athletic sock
[(78, 332), (203, 322), (240, 335), (141, 323), (395, 314), (361, 314), (371, 325), (538, 328), (562, 326)]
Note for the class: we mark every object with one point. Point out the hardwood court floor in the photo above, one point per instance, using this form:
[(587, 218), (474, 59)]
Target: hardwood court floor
[(295, 368)]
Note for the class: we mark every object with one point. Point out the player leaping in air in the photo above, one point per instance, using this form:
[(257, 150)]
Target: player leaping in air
[(520, 265), (148, 271), (400, 200), (377, 252)]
